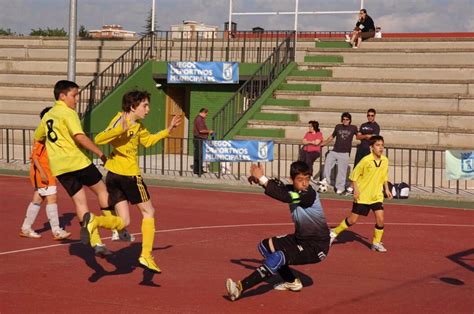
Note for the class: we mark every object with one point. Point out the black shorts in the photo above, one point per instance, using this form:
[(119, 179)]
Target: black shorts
[(75, 180), (364, 209), (126, 188), (299, 252)]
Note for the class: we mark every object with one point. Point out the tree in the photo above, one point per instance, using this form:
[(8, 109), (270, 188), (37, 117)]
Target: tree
[(83, 33), (49, 32), (148, 24), (6, 32)]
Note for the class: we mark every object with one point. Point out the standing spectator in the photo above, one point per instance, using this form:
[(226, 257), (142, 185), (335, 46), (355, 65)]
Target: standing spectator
[(366, 131), (364, 29), (311, 149), (45, 189), (340, 154), (200, 133)]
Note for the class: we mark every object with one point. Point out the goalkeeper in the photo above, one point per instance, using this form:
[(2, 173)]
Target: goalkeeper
[(309, 243)]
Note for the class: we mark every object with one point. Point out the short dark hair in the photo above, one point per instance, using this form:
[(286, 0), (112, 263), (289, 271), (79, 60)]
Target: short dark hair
[(346, 115), (133, 98), (299, 167), (63, 87), (204, 109), (374, 139), (315, 125), (44, 111), (372, 110), (363, 10)]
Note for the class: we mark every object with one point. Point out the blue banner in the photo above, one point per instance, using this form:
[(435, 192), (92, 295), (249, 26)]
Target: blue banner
[(460, 165), (238, 151), (203, 72)]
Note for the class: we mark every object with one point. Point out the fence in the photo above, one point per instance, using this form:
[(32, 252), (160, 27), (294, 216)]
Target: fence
[(421, 168)]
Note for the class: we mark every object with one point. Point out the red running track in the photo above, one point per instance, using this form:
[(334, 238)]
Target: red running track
[(203, 237)]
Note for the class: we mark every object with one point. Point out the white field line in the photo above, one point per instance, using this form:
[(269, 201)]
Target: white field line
[(237, 226)]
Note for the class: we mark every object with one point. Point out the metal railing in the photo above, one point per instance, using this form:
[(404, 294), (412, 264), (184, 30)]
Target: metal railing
[(247, 47), (244, 98), (421, 168), (116, 73)]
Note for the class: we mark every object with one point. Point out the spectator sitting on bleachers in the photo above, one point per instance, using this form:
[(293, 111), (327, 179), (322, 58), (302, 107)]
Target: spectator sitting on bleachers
[(364, 29)]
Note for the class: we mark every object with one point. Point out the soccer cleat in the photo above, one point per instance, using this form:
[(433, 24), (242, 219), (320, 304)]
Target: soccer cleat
[(332, 237), (115, 236), (122, 235), (149, 263), (88, 226), (61, 234), (100, 250), (292, 286), (29, 234), (234, 289), (348, 38), (379, 247)]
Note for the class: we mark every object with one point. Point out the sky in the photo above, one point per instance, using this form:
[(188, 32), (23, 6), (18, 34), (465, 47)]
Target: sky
[(393, 16)]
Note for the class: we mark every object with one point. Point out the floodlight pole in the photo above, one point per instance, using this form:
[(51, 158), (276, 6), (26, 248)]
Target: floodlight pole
[(230, 17), (153, 16), (71, 60)]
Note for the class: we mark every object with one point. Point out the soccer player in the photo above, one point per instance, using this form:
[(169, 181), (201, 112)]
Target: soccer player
[(62, 131), (45, 189), (308, 245), (368, 178), (125, 133)]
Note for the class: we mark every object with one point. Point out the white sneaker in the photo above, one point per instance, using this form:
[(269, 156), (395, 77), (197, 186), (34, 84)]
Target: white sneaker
[(61, 234), (332, 237), (292, 286), (350, 190), (234, 289), (348, 38), (29, 234), (378, 247), (324, 181), (115, 235)]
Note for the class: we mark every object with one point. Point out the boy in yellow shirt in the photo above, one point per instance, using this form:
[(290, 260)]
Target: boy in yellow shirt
[(61, 129), (124, 181), (368, 178)]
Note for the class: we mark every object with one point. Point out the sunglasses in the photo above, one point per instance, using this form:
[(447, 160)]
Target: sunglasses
[(370, 115)]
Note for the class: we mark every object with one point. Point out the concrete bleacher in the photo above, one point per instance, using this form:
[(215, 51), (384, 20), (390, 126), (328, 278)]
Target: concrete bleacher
[(29, 67), (422, 89)]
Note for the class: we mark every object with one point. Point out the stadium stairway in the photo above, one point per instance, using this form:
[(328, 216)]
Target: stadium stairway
[(29, 67), (422, 89)]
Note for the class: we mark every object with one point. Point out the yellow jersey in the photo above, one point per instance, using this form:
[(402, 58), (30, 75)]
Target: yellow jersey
[(370, 175), (124, 158), (58, 127)]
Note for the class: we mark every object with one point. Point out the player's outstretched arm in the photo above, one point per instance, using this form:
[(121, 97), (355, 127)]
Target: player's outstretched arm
[(87, 143)]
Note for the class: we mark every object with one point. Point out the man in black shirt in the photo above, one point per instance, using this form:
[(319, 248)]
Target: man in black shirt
[(364, 29), (366, 131), (200, 134)]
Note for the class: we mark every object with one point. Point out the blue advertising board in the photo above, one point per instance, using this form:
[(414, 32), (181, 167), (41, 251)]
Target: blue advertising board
[(183, 72), (235, 151)]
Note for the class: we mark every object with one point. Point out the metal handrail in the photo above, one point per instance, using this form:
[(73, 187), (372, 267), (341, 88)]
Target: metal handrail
[(244, 98), (422, 168), (115, 74)]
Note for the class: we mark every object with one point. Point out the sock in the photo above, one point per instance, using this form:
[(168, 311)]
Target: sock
[(52, 213), (286, 273), (95, 238), (110, 222), (148, 236), (31, 213), (342, 226), (255, 278), (378, 233)]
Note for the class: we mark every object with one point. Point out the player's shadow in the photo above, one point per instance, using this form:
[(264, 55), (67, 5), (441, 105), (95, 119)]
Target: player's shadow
[(64, 220), (124, 260), (350, 236), (252, 264)]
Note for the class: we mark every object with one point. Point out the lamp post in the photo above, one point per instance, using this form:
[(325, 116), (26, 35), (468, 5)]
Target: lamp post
[(71, 60)]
